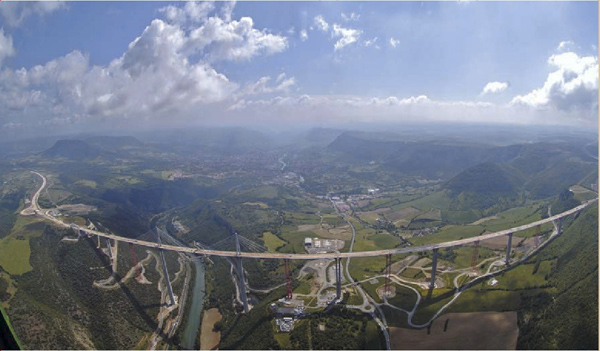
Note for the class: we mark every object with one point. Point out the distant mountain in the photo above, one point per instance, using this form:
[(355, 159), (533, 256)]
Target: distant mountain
[(115, 143), (364, 146), (485, 178), (544, 168), (484, 186), (73, 149)]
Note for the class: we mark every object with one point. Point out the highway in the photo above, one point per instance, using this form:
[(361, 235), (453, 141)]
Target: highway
[(34, 209)]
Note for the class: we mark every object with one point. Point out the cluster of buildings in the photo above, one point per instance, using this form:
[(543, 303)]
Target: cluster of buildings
[(424, 231), (286, 316), (317, 245)]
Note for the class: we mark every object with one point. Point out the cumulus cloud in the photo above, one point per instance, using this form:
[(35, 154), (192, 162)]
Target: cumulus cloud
[(321, 24), (167, 68), (564, 45), (192, 11), (420, 108), (6, 46), (572, 86), (372, 42), (347, 36), (234, 40), (394, 42), (344, 36), (303, 35), (15, 13), (282, 84), (494, 88)]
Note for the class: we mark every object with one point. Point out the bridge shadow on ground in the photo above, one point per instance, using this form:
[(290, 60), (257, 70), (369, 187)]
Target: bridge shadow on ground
[(141, 309)]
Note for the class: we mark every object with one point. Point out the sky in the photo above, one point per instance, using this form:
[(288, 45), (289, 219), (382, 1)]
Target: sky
[(67, 66)]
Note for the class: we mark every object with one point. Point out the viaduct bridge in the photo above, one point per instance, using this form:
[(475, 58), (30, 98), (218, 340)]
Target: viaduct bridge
[(237, 255)]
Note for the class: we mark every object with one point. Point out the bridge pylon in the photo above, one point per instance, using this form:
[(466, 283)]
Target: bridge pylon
[(338, 278), (288, 280), (508, 248), (241, 281), (166, 277), (433, 269), (475, 256), (388, 272)]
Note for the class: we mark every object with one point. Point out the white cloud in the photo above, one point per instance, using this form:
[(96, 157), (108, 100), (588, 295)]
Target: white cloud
[(564, 45), (321, 23), (262, 87), (371, 42), (234, 40), (572, 86), (331, 109), (15, 13), (347, 36), (167, 68), (394, 42), (494, 88), (6, 46), (303, 35), (350, 17), (227, 10), (192, 11)]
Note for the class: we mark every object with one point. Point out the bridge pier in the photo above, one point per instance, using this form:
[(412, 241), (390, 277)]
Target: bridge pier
[(240, 274), (167, 279), (433, 269), (109, 249), (338, 278), (288, 280), (508, 247), (241, 282)]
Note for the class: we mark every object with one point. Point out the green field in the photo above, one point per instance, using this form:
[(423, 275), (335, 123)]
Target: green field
[(371, 289), (405, 298), (512, 218), (295, 239), (88, 183), (364, 267), (14, 255), (272, 241), (523, 276), (449, 233)]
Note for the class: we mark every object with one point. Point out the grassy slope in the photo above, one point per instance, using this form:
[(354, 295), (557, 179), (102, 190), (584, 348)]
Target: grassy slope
[(568, 317)]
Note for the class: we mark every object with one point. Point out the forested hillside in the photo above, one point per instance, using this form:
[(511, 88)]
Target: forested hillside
[(567, 318)]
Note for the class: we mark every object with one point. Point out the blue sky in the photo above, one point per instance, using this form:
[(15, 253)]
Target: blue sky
[(297, 62)]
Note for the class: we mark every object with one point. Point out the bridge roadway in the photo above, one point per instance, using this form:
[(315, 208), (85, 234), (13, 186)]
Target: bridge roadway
[(271, 255)]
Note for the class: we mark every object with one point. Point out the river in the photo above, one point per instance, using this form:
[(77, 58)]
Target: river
[(190, 334)]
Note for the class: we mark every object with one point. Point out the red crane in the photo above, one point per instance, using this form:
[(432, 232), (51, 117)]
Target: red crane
[(288, 280), (388, 271)]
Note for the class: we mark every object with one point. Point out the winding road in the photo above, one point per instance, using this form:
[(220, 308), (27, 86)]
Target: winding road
[(34, 209)]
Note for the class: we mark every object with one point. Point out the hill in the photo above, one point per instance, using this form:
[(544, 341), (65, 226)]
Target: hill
[(73, 150), (483, 186), (566, 317)]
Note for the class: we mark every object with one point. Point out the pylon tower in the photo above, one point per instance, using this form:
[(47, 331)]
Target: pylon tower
[(388, 271), (288, 280), (475, 256)]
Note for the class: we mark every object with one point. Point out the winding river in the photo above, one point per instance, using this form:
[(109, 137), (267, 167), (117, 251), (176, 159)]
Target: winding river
[(190, 334)]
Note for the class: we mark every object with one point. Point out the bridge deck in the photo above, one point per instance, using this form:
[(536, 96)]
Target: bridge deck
[(274, 255)]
